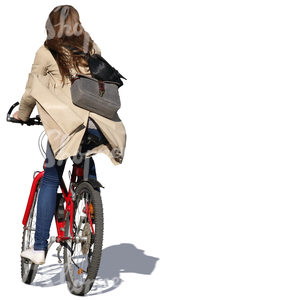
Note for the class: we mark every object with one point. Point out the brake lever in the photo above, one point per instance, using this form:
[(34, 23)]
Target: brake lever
[(12, 108), (12, 119)]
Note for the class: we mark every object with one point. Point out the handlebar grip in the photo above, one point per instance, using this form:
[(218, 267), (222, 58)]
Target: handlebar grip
[(13, 120), (29, 122)]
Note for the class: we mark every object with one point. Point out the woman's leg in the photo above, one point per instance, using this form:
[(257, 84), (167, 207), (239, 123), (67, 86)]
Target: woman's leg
[(47, 199), (90, 164), (48, 194)]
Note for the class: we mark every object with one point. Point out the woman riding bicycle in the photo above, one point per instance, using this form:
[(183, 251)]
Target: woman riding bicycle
[(49, 87)]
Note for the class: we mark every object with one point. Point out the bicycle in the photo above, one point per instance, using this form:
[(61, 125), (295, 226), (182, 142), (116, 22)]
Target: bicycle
[(78, 219)]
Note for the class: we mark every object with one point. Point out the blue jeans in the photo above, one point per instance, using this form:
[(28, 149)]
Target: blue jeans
[(48, 194)]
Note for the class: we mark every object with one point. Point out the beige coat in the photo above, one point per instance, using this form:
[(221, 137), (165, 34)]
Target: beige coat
[(64, 122)]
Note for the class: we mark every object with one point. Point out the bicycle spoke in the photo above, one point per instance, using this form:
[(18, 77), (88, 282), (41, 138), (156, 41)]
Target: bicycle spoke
[(82, 262)]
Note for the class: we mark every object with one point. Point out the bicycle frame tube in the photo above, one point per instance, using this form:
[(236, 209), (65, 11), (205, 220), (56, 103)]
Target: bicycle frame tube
[(31, 196), (67, 195), (77, 171), (69, 207)]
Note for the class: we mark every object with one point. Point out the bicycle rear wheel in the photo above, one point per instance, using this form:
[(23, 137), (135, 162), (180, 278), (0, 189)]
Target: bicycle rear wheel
[(29, 269), (82, 255)]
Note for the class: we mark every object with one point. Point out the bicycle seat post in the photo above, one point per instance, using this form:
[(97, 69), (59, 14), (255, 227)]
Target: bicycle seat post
[(83, 162), (86, 168)]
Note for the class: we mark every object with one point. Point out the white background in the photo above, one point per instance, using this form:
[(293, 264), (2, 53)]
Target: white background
[(210, 180)]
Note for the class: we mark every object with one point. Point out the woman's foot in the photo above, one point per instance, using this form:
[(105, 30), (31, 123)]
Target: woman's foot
[(35, 256)]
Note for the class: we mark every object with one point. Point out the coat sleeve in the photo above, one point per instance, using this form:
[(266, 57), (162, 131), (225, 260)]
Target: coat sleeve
[(39, 67)]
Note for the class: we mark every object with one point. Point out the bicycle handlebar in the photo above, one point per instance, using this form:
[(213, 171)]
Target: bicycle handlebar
[(31, 121)]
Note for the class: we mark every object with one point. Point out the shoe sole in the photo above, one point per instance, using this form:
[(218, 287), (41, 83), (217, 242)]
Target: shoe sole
[(27, 260)]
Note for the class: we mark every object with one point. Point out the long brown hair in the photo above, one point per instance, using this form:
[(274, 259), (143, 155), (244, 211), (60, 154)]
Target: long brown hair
[(64, 29)]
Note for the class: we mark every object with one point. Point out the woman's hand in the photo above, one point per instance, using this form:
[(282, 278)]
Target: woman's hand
[(16, 115)]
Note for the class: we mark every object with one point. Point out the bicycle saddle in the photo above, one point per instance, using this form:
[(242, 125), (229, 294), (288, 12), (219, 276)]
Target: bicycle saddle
[(91, 138)]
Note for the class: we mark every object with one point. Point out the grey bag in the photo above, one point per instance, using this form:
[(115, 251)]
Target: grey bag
[(100, 97)]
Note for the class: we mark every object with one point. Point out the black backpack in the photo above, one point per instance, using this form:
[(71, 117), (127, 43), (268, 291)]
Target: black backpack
[(99, 67)]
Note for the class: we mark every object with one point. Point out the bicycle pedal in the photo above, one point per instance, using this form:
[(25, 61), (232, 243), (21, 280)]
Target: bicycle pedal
[(26, 261)]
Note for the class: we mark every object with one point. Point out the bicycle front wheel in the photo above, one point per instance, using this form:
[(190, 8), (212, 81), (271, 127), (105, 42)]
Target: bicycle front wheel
[(82, 255), (29, 269)]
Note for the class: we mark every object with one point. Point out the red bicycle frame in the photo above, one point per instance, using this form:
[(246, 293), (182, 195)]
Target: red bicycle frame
[(31, 196), (68, 196)]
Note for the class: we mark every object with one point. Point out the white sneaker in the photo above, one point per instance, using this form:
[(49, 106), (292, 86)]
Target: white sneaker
[(35, 256)]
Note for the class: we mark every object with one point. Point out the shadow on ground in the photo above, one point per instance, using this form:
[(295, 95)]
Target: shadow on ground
[(117, 259)]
